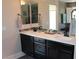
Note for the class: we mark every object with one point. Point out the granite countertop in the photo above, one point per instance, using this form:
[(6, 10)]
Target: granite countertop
[(53, 37)]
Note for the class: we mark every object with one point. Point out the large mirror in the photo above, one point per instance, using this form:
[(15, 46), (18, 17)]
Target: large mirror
[(29, 12), (52, 14)]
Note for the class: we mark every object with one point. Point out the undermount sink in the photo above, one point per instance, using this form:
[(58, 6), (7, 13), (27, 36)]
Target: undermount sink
[(47, 31), (50, 32)]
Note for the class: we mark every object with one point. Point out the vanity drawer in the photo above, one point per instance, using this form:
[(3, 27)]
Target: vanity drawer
[(64, 46), (52, 43), (40, 40), (67, 47), (39, 47)]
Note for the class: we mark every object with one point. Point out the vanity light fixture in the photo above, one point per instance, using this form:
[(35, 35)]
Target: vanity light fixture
[(22, 2)]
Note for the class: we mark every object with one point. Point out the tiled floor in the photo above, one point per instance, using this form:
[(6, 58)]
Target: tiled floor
[(26, 57)]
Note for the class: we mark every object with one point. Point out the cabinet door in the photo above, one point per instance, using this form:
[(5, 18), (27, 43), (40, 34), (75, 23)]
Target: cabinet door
[(66, 51), (65, 54), (52, 52), (52, 49), (27, 44)]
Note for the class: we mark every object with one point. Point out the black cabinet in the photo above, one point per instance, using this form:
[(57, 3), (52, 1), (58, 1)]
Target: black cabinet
[(45, 49), (40, 48), (65, 54), (66, 51), (27, 44), (52, 50), (52, 53), (57, 50)]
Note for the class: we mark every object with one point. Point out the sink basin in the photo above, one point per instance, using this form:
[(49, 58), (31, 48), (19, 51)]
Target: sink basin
[(50, 32)]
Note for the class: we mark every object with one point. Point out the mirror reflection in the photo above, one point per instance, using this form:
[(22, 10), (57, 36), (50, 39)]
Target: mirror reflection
[(29, 12), (50, 14)]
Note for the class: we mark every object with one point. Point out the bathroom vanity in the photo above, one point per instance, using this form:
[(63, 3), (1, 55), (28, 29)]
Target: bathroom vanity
[(47, 46)]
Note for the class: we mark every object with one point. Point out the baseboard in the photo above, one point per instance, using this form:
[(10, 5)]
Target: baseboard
[(15, 56)]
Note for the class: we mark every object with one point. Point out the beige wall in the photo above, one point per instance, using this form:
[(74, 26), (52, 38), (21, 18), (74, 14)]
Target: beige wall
[(10, 41)]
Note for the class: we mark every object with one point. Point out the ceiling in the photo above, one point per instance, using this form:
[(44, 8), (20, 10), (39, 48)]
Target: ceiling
[(68, 0)]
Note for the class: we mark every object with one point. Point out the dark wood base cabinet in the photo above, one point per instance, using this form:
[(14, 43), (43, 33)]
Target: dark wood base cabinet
[(65, 55), (27, 44), (52, 53), (44, 49), (56, 50), (66, 51)]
